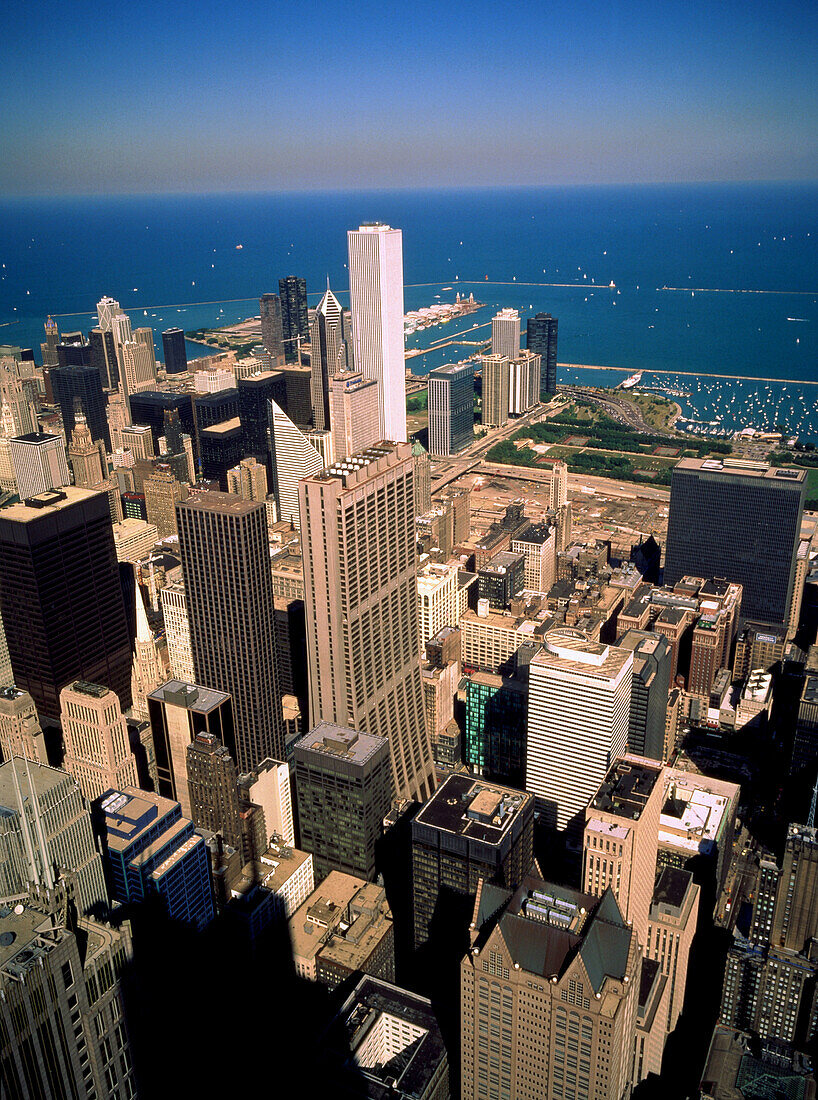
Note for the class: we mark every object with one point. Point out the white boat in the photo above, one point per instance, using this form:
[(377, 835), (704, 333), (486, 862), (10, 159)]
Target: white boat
[(634, 380)]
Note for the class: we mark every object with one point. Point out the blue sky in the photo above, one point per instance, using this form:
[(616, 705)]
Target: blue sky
[(202, 96)]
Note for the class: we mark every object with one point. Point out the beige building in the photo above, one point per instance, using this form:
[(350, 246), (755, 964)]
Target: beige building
[(495, 390), (134, 539), (344, 926), (162, 491), (353, 412), (490, 638), (177, 631), (20, 730), (360, 582), (268, 786), (438, 599), (548, 995), (248, 480), (138, 439), (95, 733)]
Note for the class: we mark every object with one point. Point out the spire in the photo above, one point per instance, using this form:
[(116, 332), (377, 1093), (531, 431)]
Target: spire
[(143, 630), (811, 821)]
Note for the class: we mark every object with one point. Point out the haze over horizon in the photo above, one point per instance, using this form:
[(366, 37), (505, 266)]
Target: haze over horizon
[(202, 97)]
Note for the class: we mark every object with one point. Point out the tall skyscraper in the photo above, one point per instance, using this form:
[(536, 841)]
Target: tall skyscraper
[(294, 322), (451, 408), (174, 350), (107, 309), (226, 566), (49, 348), (103, 357), (95, 733), (83, 385), (360, 577), (376, 298), (326, 344), (541, 337), (354, 413), (39, 463), (578, 712), (137, 366), (649, 694), (20, 730), (741, 521), (248, 480), (272, 334), (256, 391), (177, 631), (496, 377), (61, 597), (505, 334), (344, 784), (294, 457)]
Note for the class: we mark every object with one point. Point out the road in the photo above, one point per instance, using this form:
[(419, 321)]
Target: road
[(625, 412)]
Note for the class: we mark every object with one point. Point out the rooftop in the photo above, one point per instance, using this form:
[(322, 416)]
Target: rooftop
[(193, 697), (573, 651), (47, 503), (226, 503), (626, 789), (476, 809), (224, 427), (741, 468), (341, 742)]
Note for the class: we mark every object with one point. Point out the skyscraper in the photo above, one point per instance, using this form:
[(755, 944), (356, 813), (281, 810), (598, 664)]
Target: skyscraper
[(61, 596), (451, 408), (360, 576), (354, 413), (103, 357), (578, 711), (326, 344), (294, 457), (174, 350), (226, 566), (741, 521), (294, 323), (83, 385), (272, 335), (376, 298), (649, 694), (20, 731), (505, 334), (95, 733), (541, 337), (256, 391), (39, 463), (496, 378)]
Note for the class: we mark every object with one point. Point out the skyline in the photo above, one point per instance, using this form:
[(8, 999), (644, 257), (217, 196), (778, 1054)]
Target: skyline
[(607, 93)]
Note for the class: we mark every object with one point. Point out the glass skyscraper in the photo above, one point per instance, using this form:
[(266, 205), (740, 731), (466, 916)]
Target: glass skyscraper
[(541, 337), (451, 408)]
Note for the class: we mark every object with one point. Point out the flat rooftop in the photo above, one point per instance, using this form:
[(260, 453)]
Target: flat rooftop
[(193, 697), (209, 500), (474, 808), (341, 743), (694, 811), (573, 651), (741, 468), (44, 504), (626, 788), (224, 427)]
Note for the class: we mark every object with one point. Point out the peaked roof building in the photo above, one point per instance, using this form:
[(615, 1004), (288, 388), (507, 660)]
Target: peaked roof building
[(294, 457), (326, 347)]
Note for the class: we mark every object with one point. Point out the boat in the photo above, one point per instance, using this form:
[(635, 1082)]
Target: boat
[(239, 247), (632, 381)]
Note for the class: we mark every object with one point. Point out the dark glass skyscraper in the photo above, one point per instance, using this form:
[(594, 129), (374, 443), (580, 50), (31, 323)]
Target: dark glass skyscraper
[(148, 407), (451, 408), (70, 383), (255, 394), (541, 337), (226, 566), (103, 357), (294, 323), (60, 596), (272, 335), (174, 351), (741, 521)]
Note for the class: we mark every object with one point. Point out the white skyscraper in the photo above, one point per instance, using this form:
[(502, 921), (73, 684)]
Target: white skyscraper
[(294, 458), (505, 334), (177, 631), (39, 463), (578, 709), (376, 298), (107, 309)]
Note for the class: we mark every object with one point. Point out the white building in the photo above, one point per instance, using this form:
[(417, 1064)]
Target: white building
[(524, 383), (39, 463), (177, 632), (134, 539), (505, 334), (438, 599), (376, 298), (213, 380), (268, 786), (295, 457), (578, 709)]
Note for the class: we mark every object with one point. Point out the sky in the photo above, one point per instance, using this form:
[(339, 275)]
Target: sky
[(197, 96)]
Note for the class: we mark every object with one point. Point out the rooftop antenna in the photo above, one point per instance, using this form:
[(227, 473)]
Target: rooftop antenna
[(811, 818)]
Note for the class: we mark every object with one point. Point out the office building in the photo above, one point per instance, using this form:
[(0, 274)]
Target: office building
[(354, 413), (541, 337), (549, 990), (134, 539), (39, 463), (423, 479), (61, 598), (343, 927), (95, 735), (451, 408), (578, 713), (649, 693), (177, 712), (255, 392), (469, 830), (344, 788), (162, 493), (500, 579), (728, 516), (137, 366), (326, 348), (45, 829), (177, 631), (248, 480), (87, 458), (698, 819), (496, 721), (294, 458), (505, 334), (151, 850), (213, 791), (538, 544), (360, 579), (52, 338), (150, 406), (61, 1011), (272, 333), (144, 336), (226, 567), (221, 447), (376, 299), (489, 639), (385, 1037), (672, 922), (558, 491), (523, 383), (81, 387), (102, 349), (268, 786), (438, 599), (495, 372), (174, 351), (20, 731), (295, 327)]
